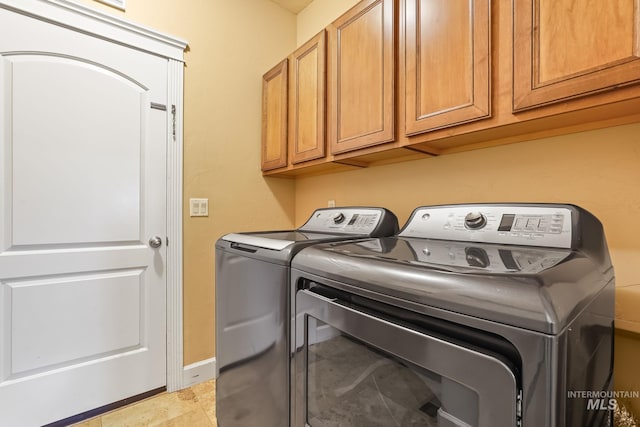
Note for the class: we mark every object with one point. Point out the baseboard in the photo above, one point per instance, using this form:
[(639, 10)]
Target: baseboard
[(199, 372)]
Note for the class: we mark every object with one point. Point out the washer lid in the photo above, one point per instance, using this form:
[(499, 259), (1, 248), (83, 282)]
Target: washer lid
[(532, 288), (278, 240)]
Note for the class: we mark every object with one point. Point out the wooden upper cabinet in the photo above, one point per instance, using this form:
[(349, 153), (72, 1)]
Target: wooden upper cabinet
[(307, 76), (274, 117), (361, 76), (569, 48), (447, 63)]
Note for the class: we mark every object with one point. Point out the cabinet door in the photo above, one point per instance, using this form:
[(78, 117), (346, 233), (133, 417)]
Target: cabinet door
[(569, 48), (361, 76), (307, 71), (274, 117), (447, 63)]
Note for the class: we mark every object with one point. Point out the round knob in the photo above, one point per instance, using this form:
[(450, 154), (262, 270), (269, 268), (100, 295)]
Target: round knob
[(155, 242), (475, 220), (338, 218)]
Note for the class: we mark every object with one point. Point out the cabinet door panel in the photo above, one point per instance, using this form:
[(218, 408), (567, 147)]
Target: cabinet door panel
[(307, 101), (569, 48), (274, 117), (447, 63), (361, 76)]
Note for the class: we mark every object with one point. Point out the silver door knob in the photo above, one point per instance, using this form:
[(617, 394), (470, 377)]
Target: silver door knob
[(155, 242)]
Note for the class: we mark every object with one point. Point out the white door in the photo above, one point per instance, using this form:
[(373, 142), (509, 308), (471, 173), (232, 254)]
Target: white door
[(82, 190)]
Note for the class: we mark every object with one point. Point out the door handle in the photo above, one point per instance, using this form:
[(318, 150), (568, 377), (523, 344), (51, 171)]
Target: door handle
[(155, 242)]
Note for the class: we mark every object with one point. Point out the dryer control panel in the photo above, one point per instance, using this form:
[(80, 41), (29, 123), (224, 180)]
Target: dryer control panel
[(515, 225)]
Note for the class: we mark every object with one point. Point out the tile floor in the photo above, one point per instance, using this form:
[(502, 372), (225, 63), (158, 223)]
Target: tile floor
[(191, 407)]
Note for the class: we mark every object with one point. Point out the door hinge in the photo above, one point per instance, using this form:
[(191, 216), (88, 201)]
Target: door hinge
[(173, 114)]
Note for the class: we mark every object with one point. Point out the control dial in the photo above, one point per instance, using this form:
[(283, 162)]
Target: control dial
[(338, 218), (475, 220)]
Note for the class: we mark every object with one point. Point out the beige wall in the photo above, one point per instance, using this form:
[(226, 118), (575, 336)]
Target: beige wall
[(231, 44), (318, 15)]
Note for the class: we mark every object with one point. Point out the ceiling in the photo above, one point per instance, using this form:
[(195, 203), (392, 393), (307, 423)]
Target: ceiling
[(293, 6)]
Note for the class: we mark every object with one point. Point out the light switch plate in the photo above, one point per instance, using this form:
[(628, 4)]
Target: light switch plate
[(199, 207)]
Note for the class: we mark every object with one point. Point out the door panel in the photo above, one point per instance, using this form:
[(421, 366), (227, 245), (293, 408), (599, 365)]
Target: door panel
[(50, 308), (83, 188), (434, 29), (563, 40), (358, 36), (103, 206), (307, 100), (557, 57), (361, 69), (274, 117)]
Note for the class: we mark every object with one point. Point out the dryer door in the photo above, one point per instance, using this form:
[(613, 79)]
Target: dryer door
[(352, 368)]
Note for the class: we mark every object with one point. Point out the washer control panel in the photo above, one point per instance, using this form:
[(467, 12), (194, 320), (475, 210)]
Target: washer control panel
[(344, 220), (515, 225)]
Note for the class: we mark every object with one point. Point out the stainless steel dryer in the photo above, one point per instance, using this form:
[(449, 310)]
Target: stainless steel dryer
[(491, 315), (252, 310)]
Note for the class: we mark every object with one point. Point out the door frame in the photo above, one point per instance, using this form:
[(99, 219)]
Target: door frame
[(78, 17)]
